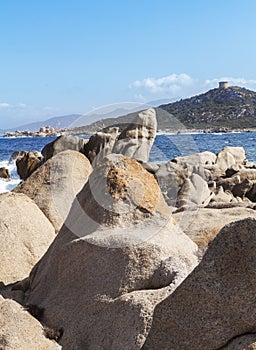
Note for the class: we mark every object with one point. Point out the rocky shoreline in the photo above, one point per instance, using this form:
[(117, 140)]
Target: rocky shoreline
[(103, 250), (45, 131), (49, 131)]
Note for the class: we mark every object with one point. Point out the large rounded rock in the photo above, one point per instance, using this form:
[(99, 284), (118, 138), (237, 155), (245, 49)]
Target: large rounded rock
[(238, 153), (20, 331), (137, 139), (25, 235), (63, 143), (119, 191), (216, 302), (27, 163), (100, 145), (55, 184), (118, 254), (4, 173)]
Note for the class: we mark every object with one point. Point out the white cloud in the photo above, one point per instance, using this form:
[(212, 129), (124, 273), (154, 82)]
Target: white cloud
[(13, 106), (140, 97), (50, 109), (22, 105), (170, 84), (248, 83), (176, 86), (4, 105)]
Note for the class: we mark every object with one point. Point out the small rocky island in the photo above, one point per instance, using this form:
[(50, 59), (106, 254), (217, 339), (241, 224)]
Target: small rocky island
[(42, 132), (101, 249)]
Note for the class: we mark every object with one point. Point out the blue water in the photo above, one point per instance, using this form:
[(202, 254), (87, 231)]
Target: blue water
[(9, 145), (165, 147)]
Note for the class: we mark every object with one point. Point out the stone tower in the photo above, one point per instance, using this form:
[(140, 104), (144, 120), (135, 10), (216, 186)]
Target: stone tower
[(223, 85)]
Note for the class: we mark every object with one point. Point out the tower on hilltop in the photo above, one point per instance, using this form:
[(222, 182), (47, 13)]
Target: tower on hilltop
[(223, 85)]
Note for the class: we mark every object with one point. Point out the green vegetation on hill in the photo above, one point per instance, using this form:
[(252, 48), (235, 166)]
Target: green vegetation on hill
[(233, 107)]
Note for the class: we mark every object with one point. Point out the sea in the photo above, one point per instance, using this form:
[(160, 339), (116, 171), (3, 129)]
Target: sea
[(165, 148)]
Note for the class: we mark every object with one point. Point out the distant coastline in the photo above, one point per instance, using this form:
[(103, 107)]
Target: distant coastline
[(46, 131), (58, 132), (205, 131)]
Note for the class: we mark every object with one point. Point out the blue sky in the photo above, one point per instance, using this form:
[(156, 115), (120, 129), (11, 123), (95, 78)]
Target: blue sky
[(62, 57)]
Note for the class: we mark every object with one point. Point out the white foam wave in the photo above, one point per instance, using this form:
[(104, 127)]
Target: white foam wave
[(6, 186)]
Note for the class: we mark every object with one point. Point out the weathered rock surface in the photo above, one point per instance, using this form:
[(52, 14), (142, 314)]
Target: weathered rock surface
[(183, 179), (244, 342), (204, 159), (228, 183), (20, 331), (216, 302), (229, 157), (55, 184), (247, 174), (150, 167), (63, 143), (171, 176), (25, 235), (251, 194), (203, 224), (4, 173), (204, 179), (241, 184), (100, 145), (27, 163), (136, 140), (240, 189), (15, 155), (238, 153), (221, 196), (194, 191), (119, 191), (118, 254)]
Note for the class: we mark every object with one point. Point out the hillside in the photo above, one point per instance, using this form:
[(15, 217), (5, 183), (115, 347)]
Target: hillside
[(231, 107), (165, 121)]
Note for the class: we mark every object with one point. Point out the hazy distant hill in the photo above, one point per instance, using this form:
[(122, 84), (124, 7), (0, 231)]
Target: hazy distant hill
[(77, 120), (80, 120), (56, 122)]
